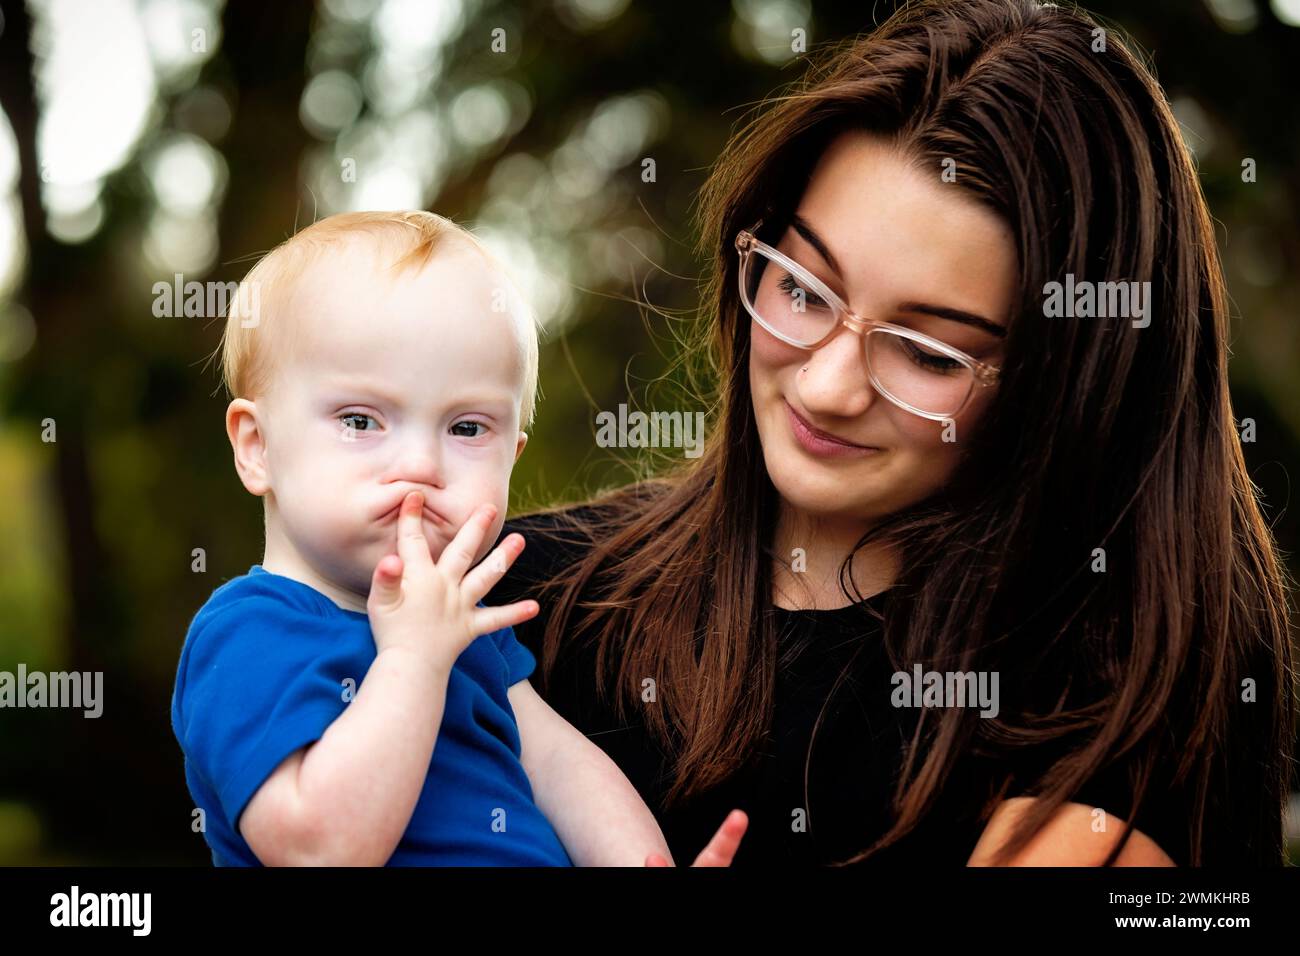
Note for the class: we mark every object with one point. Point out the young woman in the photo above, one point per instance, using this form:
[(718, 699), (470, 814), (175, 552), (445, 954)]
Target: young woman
[(919, 464)]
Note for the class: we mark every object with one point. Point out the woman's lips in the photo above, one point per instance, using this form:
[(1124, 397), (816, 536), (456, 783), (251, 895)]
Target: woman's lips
[(819, 443)]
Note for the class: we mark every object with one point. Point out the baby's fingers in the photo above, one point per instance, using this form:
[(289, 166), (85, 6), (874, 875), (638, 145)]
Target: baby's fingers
[(412, 545), (492, 568), (721, 850), (489, 619), (385, 584), (461, 550)]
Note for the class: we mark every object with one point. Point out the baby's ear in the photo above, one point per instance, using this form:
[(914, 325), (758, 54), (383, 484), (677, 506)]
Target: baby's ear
[(249, 445), (519, 446)]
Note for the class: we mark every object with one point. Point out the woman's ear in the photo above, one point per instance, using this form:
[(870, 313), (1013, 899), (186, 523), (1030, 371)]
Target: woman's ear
[(248, 442)]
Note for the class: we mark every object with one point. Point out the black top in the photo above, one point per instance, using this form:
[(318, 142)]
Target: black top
[(857, 751)]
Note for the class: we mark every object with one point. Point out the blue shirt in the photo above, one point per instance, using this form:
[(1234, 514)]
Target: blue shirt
[(269, 663)]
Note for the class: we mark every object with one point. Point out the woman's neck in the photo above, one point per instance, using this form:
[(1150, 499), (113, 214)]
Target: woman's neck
[(810, 550)]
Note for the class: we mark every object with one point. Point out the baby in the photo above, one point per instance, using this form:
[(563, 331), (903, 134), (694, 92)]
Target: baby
[(350, 700)]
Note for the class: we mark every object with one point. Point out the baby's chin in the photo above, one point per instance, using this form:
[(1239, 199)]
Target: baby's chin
[(356, 571), (366, 554), (361, 572)]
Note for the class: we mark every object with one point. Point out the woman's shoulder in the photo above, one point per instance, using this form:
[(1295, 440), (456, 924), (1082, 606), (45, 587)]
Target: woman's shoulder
[(559, 536), (554, 538), (558, 521), (1162, 814)]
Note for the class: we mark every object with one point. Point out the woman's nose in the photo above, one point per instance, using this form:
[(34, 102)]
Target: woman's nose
[(833, 380)]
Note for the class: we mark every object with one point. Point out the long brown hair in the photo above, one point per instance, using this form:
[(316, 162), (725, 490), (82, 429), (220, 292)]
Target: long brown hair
[(1101, 435)]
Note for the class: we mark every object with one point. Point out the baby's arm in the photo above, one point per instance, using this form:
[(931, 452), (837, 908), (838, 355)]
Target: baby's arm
[(596, 812), (346, 799), (594, 809)]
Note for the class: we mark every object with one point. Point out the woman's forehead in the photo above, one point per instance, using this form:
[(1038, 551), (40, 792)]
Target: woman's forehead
[(870, 217)]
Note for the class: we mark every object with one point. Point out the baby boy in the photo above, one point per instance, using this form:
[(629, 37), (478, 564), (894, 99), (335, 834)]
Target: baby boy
[(350, 700)]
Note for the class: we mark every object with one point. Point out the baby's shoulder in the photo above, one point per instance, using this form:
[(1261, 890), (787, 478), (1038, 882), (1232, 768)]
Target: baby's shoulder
[(267, 625), (558, 538), (257, 594), (256, 615)]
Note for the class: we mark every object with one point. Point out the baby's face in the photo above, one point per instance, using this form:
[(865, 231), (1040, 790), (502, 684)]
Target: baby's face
[(392, 383)]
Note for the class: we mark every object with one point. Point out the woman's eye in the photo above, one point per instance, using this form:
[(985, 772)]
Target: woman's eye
[(356, 421), (477, 425), (790, 286), (929, 360)]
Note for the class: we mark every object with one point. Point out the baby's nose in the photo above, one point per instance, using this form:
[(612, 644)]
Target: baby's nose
[(421, 468)]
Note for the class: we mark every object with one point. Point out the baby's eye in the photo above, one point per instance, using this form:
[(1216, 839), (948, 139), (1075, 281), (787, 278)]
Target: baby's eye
[(356, 421), (478, 425)]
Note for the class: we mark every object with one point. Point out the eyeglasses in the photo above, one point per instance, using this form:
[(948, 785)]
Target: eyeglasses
[(914, 371)]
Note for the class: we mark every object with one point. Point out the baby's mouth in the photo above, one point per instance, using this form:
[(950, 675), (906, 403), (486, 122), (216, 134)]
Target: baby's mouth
[(429, 514)]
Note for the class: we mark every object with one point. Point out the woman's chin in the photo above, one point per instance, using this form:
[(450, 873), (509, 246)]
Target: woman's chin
[(813, 500)]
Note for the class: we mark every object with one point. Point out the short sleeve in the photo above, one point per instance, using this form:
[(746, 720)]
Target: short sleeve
[(1108, 788), (1162, 816), (520, 661), (262, 678)]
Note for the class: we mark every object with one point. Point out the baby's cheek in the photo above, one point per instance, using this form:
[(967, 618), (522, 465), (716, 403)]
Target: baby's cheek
[(333, 526), (494, 532)]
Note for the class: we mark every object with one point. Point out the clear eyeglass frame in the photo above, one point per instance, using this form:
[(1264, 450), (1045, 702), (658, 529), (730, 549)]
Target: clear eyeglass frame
[(747, 244)]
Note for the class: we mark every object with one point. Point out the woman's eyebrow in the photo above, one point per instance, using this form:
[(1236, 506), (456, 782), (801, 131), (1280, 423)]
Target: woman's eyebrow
[(955, 315), (801, 226), (810, 236)]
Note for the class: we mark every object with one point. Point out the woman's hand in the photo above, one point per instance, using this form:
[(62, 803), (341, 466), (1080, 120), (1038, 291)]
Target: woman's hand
[(721, 849)]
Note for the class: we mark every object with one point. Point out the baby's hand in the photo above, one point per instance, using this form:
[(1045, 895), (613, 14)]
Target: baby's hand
[(721, 850), (430, 607)]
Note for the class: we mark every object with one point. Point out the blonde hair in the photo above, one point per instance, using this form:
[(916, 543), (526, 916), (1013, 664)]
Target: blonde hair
[(247, 359)]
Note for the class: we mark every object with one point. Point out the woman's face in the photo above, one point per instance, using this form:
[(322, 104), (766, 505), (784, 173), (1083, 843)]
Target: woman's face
[(896, 244)]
